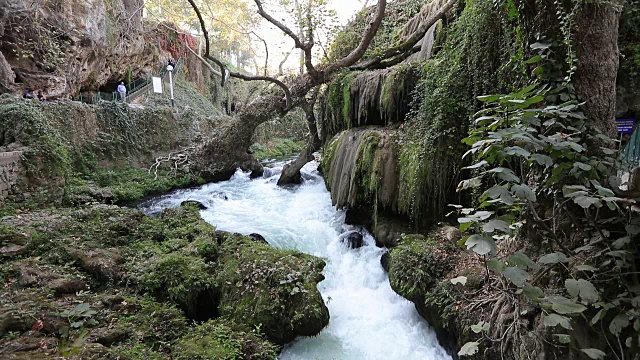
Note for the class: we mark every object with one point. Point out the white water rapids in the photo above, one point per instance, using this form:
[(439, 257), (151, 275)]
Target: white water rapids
[(368, 320)]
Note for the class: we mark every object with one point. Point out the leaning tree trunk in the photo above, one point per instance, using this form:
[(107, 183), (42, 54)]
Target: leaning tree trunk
[(227, 150), (596, 40), (291, 172)]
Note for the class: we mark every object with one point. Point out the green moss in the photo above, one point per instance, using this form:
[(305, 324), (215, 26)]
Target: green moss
[(218, 340), (277, 148), (275, 290), (151, 325), (25, 123), (415, 266), (368, 167), (339, 105)]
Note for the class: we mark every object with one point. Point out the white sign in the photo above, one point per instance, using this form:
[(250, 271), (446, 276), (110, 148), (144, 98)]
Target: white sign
[(157, 85)]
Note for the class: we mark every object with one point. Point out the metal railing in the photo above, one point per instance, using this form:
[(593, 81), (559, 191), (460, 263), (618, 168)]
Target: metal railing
[(133, 88)]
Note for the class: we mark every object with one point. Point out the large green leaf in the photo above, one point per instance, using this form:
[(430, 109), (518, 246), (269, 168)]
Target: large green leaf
[(555, 319), (562, 305), (500, 192), (587, 201), (494, 225), (533, 293), (542, 159), (522, 261), (582, 288), (481, 244), (469, 349), (553, 258), (594, 353), (516, 275), (505, 174), (618, 323), (523, 192)]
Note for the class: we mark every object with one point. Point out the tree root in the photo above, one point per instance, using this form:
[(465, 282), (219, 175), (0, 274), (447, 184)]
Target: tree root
[(176, 159)]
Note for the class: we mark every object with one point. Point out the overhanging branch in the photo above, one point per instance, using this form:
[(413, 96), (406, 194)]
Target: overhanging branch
[(407, 44), (365, 42), (223, 69)]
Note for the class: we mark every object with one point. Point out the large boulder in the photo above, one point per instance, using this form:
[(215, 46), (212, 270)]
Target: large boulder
[(274, 289)]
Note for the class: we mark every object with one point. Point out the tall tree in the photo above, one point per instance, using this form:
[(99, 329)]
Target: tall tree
[(596, 39), (220, 155)]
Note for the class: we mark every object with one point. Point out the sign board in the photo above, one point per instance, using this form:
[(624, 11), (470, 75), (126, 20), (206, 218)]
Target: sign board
[(157, 85), (625, 126)]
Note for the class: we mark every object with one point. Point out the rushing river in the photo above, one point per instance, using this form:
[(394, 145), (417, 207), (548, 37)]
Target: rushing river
[(368, 320)]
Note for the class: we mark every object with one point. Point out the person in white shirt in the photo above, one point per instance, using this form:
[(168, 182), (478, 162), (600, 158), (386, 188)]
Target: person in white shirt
[(122, 90)]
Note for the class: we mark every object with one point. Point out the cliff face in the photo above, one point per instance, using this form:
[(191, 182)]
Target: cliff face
[(63, 46)]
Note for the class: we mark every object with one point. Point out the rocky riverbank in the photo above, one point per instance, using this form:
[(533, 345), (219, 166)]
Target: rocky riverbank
[(109, 282)]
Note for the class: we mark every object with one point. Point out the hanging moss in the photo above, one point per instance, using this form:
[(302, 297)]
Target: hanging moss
[(470, 63)]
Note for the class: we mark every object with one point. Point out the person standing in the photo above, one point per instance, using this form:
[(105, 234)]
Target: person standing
[(122, 90)]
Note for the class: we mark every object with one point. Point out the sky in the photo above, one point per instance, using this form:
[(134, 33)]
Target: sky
[(280, 44)]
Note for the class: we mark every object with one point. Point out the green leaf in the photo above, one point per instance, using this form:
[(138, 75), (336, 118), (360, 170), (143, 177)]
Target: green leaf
[(523, 192), (499, 192), (522, 261), (534, 59), (553, 258), (542, 159), (469, 349), (494, 225), (585, 268), (567, 190), (582, 166), (622, 242), (76, 324), (81, 308), (594, 353), (563, 338), (562, 305), (459, 280), (582, 288), (481, 244), (534, 293), (480, 327), (470, 183), (476, 166), (599, 316), (516, 275), (496, 265), (586, 201), (465, 226), (540, 46), (489, 98), (505, 174), (618, 323), (517, 150), (555, 319)]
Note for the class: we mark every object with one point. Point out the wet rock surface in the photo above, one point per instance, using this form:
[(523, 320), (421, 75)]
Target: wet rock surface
[(353, 239)]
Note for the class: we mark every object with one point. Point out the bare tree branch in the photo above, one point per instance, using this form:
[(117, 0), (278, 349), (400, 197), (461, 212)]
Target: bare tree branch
[(238, 75), (367, 37), (409, 43), (305, 47), (286, 57)]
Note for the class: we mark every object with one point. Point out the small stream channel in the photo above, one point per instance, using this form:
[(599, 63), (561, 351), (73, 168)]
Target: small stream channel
[(368, 320)]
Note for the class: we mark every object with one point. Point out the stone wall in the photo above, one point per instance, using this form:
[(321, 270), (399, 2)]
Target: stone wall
[(10, 173)]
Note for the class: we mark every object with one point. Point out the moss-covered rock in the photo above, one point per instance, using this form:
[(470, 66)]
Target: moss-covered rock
[(274, 290), (220, 340)]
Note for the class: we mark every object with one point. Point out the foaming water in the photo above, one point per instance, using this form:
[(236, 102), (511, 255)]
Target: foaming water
[(368, 320)]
